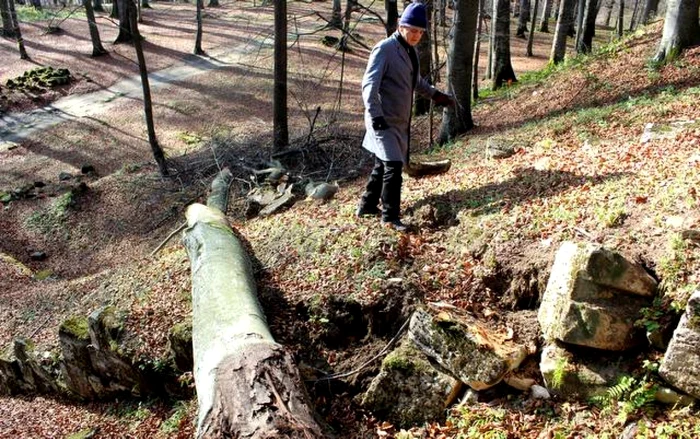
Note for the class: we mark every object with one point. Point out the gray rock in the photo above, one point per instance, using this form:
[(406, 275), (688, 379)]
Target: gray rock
[(76, 366), (539, 392), (497, 148), (65, 176), (664, 395), (466, 349), (580, 375), (681, 364), (593, 298), (408, 391), (37, 256)]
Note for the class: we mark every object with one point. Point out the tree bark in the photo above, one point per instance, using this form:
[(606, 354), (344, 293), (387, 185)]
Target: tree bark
[(17, 31), (422, 105), (580, 12), (198, 36), (125, 34), (97, 48), (531, 37), (280, 126), (681, 29), (621, 19), (502, 66), (546, 13), (477, 49), (635, 16), (585, 42), (523, 18), (247, 384), (650, 9), (457, 119), (158, 154), (392, 15), (8, 28), (566, 16), (336, 17)]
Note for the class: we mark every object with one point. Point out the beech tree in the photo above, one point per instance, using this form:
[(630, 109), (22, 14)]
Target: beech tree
[(97, 48), (279, 98), (16, 30), (502, 66), (421, 104), (457, 119), (130, 8), (681, 29), (584, 43), (621, 19), (8, 28), (198, 38), (649, 11), (125, 31), (564, 22), (546, 13), (392, 16), (336, 17), (523, 18), (531, 37)]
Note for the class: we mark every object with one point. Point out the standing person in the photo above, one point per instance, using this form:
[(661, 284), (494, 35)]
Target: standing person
[(391, 77)]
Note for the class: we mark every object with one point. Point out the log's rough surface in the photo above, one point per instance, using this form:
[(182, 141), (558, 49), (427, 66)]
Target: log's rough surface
[(247, 384)]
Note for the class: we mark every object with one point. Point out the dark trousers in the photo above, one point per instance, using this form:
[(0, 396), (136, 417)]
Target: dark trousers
[(384, 183)]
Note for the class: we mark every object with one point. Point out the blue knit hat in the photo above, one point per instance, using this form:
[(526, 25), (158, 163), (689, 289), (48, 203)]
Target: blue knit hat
[(415, 15)]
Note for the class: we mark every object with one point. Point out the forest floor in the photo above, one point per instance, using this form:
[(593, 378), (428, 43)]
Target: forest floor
[(580, 172)]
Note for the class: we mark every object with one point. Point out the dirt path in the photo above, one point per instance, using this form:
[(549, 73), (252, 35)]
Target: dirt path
[(16, 127)]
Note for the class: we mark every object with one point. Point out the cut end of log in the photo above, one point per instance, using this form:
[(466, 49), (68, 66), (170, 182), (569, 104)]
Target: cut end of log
[(200, 213), (424, 169)]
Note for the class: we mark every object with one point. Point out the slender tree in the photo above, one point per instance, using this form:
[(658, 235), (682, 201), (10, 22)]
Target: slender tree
[(608, 12), (392, 15), (635, 16), (584, 43), (523, 18), (580, 12), (620, 26), (8, 28), (564, 22), (124, 9), (97, 48), (336, 17), (130, 6), (502, 66), (681, 29), (457, 119), (198, 38), (649, 11), (17, 32), (546, 13), (280, 124), (531, 37), (422, 105), (477, 49)]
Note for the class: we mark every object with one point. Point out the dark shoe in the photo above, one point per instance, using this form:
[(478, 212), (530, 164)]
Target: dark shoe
[(363, 211), (396, 225)]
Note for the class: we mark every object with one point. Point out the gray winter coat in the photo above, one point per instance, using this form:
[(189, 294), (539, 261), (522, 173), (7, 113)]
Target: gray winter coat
[(387, 90)]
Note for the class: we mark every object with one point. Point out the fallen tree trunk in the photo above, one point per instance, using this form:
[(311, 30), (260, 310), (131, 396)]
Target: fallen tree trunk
[(247, 384)]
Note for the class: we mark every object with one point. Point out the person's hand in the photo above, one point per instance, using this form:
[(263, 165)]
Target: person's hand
[(443, 100), (379, 123)]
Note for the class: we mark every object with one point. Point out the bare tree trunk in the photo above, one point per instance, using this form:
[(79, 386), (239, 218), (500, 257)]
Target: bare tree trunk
[(280, 124), (8, 28), (336, 17), (546, 14), (421, 105), (247, 384), (443, 12), (477, 49), (492, 39), (608, 12), (97, 48), (621, 19), (585, 42), (130, 6), (502, 66), (566, 17), (125, 29), (392, 15), (580, 8), (457, 120), (97, 6), (635, 16), (523, 18), (650, 9), (198, 38), (17, 31), (531, 37), (115, 9), (681, 29)]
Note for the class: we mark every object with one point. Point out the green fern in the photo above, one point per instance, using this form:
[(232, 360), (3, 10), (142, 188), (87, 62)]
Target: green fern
[(615, 393)]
